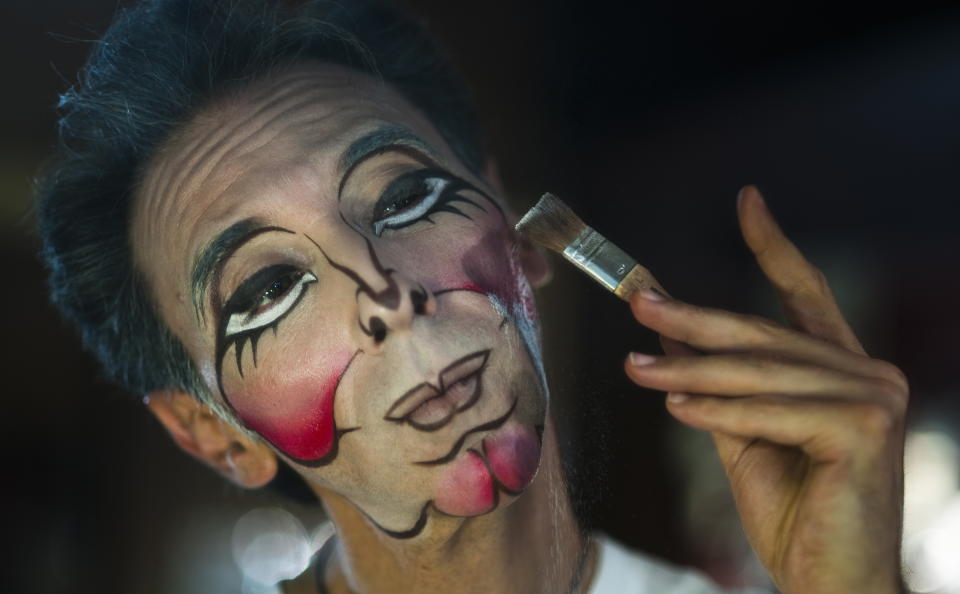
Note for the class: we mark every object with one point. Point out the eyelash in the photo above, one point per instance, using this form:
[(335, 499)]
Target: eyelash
[(429, 191), (252, 310)]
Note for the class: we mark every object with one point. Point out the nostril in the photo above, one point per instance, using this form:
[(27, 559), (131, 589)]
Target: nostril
[(378, 329), (419, 299)]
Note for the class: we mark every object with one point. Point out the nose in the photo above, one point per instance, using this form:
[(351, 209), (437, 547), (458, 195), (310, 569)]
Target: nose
[(392, 310), (387, 300)]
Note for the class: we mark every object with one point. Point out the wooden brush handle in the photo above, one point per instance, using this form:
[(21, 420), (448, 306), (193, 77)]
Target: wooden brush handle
[(638, 279)]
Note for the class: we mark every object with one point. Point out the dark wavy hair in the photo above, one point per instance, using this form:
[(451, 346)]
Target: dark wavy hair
[(158, 64)]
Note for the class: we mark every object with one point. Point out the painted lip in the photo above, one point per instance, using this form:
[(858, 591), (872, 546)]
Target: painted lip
[(429, 407)]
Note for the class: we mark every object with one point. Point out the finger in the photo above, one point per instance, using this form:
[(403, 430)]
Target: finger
[(827, 431), (714, 330), (732, 375), (807, 299), (728, 446)]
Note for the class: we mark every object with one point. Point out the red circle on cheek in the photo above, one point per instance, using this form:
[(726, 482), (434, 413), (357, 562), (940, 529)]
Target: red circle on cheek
[(465, 487), (514, 456), (295, 416)]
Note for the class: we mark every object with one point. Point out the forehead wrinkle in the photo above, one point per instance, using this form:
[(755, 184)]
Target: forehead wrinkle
[(227, 139), (275, 91), (230, 149), (251, 137), (255, 95)]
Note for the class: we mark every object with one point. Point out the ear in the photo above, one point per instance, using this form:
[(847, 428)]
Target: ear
[(533, 258), (201, 433)]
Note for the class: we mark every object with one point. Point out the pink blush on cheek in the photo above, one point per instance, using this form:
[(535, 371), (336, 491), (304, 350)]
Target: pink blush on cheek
[(465, 487), (487, 266), (298, 419)]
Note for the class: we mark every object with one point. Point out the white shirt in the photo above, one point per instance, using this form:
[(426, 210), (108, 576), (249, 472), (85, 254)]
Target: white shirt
[(622, 571)]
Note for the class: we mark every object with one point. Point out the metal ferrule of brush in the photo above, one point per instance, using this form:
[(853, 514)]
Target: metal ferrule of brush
[(599, 258)]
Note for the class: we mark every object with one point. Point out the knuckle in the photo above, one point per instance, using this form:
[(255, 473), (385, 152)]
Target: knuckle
[(890, 386), (764, 330), (898, 400), (816, 281), (762, 364), (890, 395), (894, 375), (811, 281), (695, 319), (874, 419)]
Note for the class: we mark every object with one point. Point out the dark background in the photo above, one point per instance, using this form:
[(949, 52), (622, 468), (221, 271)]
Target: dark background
[(647, 119)]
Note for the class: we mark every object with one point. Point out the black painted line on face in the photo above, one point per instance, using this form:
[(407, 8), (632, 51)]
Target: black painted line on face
[(388, 297), (414, 530), (329, 456), (488, 426)]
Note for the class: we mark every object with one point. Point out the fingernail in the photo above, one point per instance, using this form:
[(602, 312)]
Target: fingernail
[(677, 397), (652, 294), (640, 359)]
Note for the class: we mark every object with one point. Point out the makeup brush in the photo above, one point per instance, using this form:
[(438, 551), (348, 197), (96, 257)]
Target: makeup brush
[(552, 224)]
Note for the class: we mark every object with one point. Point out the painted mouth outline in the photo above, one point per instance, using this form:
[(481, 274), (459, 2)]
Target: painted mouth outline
[(488, 426), (468, 367)]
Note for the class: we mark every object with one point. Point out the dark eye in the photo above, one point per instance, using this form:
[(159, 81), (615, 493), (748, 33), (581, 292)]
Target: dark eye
[(265, 297), (278, 288), (418, 195), (403, 202), (404, 193)]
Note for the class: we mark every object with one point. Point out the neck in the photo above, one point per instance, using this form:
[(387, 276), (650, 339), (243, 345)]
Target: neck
[(531, 545)]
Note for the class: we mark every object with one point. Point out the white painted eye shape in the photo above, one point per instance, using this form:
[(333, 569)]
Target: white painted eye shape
[(275, 302), (411, 214)]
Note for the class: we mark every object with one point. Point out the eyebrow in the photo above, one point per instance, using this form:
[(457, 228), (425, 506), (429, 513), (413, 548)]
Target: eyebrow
[(376, 142), (209, 262)]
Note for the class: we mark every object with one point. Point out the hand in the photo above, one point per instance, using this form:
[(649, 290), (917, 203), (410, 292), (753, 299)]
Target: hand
[(808, 427)]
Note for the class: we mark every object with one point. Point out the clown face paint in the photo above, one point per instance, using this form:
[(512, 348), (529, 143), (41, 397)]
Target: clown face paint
[(358, 299)]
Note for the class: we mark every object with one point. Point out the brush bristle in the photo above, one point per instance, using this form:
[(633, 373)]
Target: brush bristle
[(551, 223)]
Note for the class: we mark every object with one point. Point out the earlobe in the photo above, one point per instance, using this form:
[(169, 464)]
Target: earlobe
[(205, 436)]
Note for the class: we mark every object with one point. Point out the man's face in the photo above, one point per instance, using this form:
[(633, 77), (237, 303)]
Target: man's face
[(351, 292)]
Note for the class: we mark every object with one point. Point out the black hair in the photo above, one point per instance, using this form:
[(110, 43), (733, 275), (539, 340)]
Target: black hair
[(159, 63)]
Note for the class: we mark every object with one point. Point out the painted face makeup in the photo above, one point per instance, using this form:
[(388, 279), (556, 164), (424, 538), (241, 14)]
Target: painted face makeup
[(470, 479), (370, 317)]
